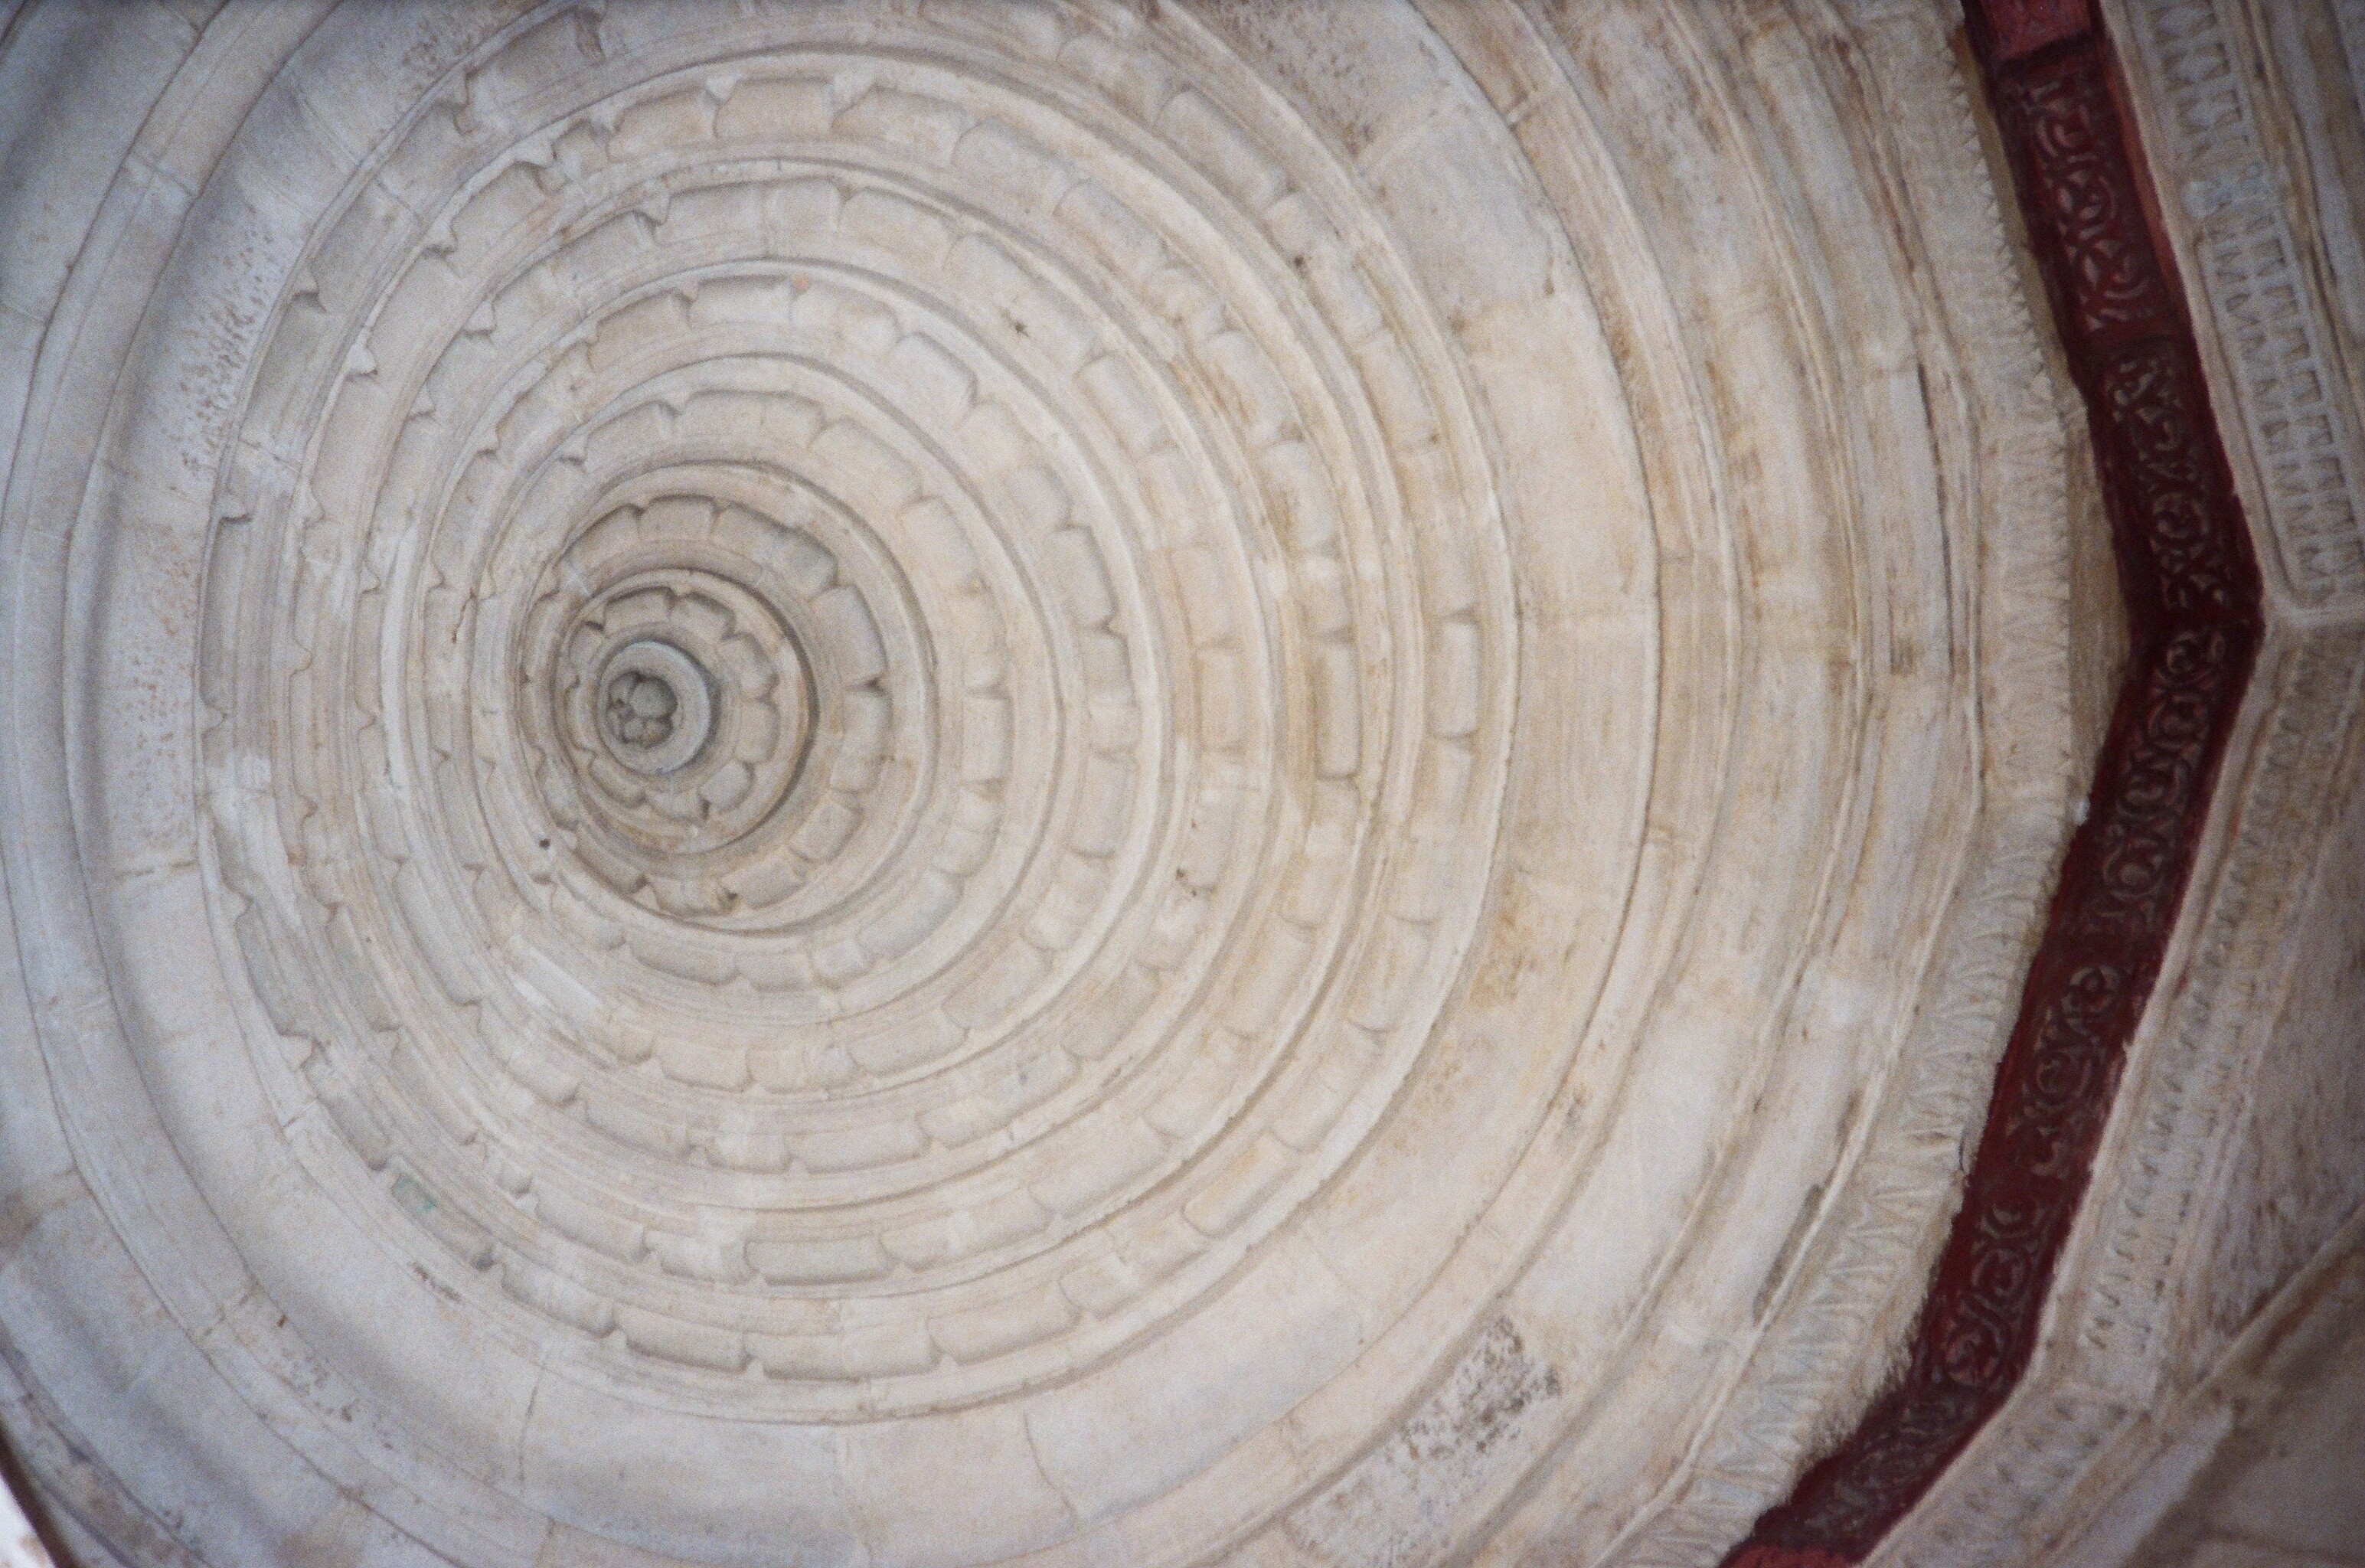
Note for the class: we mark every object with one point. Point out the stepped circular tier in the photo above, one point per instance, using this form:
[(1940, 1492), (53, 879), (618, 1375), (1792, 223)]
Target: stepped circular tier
[(911, 784)]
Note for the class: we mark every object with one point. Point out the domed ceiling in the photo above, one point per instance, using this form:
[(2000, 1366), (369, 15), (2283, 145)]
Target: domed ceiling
[(914, 784)]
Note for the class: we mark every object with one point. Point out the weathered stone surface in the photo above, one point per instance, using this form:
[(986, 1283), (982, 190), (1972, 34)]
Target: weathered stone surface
[(930, 783)]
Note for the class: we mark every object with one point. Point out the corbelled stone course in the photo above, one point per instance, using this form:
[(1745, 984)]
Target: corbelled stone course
[(908, 784)]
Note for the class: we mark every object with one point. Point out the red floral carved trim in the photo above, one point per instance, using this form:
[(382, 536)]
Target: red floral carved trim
[(2022, 27), (2192, 589)]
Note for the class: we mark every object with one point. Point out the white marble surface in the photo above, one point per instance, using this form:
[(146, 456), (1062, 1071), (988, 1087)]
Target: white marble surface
[(918, 784), (20, 1547)]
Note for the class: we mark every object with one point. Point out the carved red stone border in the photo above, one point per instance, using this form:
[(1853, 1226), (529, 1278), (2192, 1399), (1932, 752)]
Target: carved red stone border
[(2192, 589)]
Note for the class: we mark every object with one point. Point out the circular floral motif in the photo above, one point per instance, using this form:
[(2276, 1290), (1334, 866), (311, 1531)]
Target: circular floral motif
[(925, 774), (948, 781), (649, 687)]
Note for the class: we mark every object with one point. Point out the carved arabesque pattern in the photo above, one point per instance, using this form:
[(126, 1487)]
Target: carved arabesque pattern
[(2024, 27), (2176, 488), (2082, 193)]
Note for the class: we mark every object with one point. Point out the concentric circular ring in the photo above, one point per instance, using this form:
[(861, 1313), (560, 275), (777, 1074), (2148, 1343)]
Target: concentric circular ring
[(655, 708), (926, 783), (975, 689)]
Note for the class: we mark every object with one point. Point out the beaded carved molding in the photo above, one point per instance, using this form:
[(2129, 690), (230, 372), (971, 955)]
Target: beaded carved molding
[(935, 784)]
